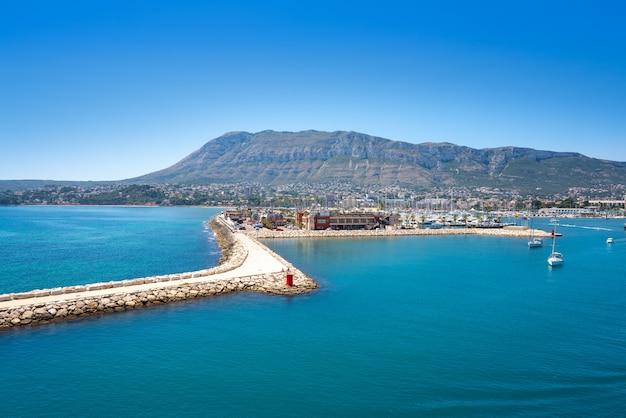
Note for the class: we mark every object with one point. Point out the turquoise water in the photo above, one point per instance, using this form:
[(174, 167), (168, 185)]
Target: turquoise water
[(428, 326), (60, 246)]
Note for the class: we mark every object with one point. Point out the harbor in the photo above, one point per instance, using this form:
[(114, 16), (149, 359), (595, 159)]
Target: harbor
[(246, 265), (433, 314)]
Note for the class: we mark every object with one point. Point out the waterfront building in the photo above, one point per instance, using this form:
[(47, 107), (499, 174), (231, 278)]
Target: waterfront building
[(566, 212), (320, 220)]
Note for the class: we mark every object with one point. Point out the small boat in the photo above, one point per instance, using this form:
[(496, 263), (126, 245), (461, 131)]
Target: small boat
[(609, 240), (534, 242), (556, 258), (488, 224)]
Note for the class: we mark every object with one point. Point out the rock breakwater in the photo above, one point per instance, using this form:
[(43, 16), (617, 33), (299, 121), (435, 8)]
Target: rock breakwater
[(508, 231), (45, 312), (230, 275)]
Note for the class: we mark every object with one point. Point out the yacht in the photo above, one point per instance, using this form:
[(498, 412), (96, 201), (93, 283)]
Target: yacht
[(534, 242), (556, 258)]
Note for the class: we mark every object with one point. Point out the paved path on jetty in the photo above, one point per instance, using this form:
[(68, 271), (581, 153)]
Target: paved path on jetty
[(246, 265), (259, 261)]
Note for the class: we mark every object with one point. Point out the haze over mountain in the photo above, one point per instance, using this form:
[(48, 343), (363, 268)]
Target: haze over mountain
[(320, 157)]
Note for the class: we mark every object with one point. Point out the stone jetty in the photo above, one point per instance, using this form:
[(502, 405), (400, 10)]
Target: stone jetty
[(506, 231), (245, 265)]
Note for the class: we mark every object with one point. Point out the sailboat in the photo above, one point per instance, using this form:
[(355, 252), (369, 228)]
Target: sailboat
[(556, 258), (534, 242)]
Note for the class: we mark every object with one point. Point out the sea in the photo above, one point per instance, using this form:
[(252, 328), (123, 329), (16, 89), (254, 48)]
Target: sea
[(401, 326)]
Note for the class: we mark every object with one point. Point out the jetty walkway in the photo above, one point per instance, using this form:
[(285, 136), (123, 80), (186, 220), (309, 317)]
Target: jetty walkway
[(246, 265)]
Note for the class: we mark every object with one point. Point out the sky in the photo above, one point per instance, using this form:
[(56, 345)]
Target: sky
[(109, 90)]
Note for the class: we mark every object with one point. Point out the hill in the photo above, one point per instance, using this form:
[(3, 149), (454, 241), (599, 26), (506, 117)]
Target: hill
[(321, 157)]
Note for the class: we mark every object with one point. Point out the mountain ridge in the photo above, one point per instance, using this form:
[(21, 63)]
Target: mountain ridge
[(318, 156)]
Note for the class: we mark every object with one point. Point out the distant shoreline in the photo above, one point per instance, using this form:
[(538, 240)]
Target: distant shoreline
[(30, 205)]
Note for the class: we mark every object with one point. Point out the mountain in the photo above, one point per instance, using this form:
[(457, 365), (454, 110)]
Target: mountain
[(321, 157)]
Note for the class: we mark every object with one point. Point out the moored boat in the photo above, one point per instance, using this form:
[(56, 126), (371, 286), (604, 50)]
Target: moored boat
[(534, 242), (556, 258)]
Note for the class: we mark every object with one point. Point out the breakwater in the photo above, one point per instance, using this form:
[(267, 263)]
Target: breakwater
[(507, 231), (245, 265)]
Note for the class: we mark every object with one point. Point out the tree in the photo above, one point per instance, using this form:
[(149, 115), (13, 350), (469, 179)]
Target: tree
[(568, 203)]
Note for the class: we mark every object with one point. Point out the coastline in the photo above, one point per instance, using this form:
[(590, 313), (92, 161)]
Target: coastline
[(245, 265)]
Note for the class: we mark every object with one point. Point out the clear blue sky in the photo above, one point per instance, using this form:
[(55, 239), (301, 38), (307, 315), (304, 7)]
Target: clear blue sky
[(107, 90)]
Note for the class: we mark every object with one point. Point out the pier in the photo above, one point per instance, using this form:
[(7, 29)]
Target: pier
[(507, 231), (246, 265)]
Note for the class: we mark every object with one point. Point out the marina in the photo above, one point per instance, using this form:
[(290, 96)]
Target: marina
[(440, 324), (247, 265)]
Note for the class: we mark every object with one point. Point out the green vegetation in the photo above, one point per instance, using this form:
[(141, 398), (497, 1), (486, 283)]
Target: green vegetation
[(129, 195)]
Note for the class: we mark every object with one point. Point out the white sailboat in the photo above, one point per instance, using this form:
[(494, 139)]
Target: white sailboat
[(556, 258), (534, 242)]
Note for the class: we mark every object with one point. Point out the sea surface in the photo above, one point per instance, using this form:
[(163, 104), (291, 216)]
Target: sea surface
[(51, 246), (404, 326)]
